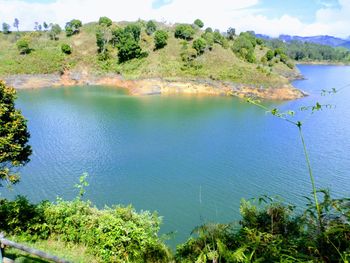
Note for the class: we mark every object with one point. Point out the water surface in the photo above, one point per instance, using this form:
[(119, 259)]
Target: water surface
[(190, 158)]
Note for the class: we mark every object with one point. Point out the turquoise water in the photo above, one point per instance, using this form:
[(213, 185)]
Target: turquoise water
[(190, 158)]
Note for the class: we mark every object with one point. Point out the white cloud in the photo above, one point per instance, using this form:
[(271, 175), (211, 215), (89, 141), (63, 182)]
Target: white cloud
[(221, 14)]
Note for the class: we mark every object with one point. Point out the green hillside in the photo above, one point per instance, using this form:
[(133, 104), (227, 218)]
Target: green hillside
[(224, 58)]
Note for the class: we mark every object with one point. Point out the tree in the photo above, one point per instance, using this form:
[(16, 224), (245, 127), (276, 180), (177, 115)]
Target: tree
[(55, 31), (73, 27), (6, 28), (209, 38), (231, 32), (133, 29), (46, 26), (105, 21), (66, 49), (103, 37), (160, 39), (151, 27), (14, 136), (16, 24), (184, 31), (199, 45), (208, 30), (199, 23), (23, 46), (129, 48)]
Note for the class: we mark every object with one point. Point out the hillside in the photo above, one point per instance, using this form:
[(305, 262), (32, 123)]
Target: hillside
[(177, 61)]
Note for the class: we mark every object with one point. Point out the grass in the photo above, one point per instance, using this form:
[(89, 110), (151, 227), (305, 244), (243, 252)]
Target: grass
[(218, 64), (71, 252)]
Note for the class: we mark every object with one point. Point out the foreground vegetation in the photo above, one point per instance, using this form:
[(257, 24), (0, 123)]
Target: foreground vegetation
[(269, 231)]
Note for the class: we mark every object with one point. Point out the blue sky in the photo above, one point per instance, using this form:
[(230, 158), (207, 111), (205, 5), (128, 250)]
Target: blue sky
[(272, 17)]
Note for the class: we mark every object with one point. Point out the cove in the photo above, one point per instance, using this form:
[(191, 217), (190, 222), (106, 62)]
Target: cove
[(191, 158)]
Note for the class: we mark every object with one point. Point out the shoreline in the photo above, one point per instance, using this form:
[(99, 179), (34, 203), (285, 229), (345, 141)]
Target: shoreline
[(154, 86)]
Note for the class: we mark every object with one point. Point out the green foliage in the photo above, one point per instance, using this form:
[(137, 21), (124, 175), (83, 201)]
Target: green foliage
[(199, 23), (103, 38), (55, 31), (23, 46), (184, 31), (208, 30), (209, 38), (129, 48), (105, 21), (6, 28), (134, 30), (269, 55), (303, 51), (73, 27), (231, 32), (160, 39), (220, 39), (271, 231), (66, 49), (199, 45), (151, 27), (116, 234), (14, 136), (244, 46)]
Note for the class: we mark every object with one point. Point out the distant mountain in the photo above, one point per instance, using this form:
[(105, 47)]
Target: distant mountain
[(322, 40)]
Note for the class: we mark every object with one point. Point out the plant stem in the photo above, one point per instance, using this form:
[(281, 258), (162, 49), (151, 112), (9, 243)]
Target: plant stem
[(311, 178)]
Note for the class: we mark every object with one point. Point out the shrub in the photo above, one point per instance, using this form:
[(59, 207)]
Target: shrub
[(105, 21), (129, 48), (151, 27), (55, 31), (66, 49), (209, 38), (160, 39), (73, 27), (199, 45), (184, 31), (269, 55), (23, 46), (116, 234), (133, 29), (198, 23)]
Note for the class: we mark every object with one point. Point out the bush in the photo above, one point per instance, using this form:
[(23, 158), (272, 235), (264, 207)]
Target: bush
[(151, 27), (274, 232), (73, 27), (243, 46), (220, 39), (269, 55), (105, 21), (129, 48), (199, 45), (184, 31), (55, 31), (66, 49), (23, 46), (209, 38), (160, 39), (117, 234), (133, 29), (198, 23)]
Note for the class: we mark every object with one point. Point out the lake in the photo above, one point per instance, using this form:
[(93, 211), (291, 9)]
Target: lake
[(190, 158)]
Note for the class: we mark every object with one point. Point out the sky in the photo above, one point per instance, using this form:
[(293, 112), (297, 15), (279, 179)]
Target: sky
[(270, 17)]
